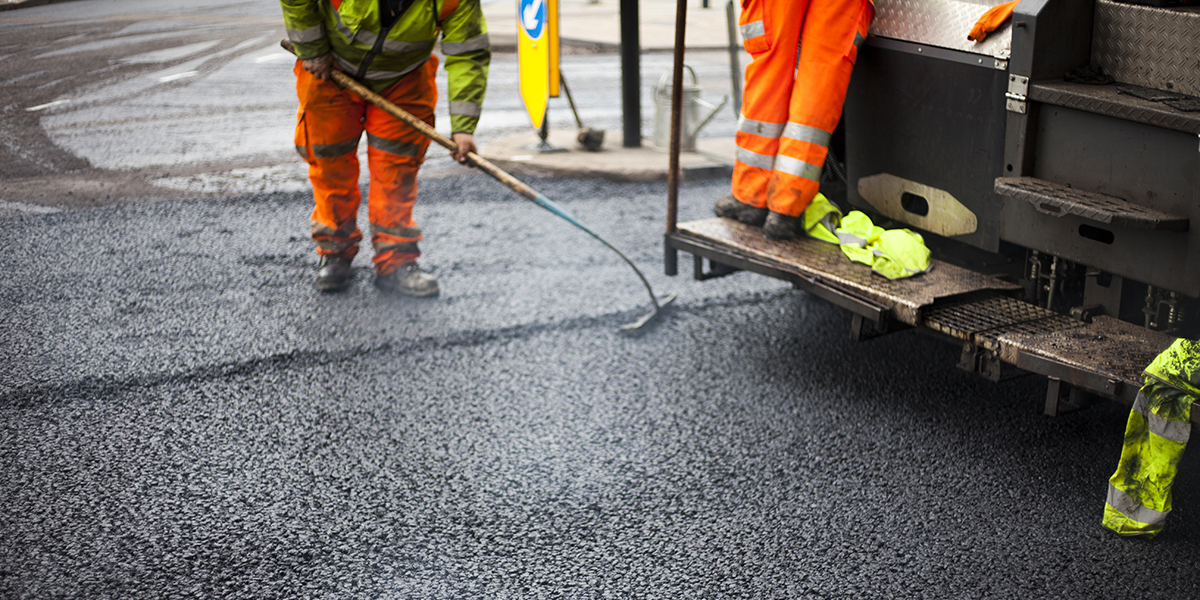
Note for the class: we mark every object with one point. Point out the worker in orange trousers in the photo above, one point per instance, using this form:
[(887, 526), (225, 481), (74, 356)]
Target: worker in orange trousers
[(803, 53)]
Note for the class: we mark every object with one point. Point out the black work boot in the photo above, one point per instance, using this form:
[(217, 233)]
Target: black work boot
[(782, 227), (333, 273), (409, 280), (730, 208)]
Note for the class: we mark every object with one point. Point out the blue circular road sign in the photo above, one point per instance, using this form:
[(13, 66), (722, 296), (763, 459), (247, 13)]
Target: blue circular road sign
[(532, 14)]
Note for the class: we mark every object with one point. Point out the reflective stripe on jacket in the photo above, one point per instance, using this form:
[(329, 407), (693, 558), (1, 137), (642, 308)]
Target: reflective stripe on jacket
[(1139, 492), (821, 219), (351, 30)]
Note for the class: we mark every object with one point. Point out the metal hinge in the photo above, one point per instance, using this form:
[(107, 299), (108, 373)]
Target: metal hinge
[(1018, 89)]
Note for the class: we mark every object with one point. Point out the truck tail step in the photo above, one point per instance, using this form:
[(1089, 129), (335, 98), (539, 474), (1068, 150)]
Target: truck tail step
[(1104, 357), (1058, 200)]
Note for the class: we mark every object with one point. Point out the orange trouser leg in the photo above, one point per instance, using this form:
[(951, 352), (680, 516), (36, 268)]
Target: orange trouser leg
[(833, 30), (395, 152), (771, 30), (328, 129), (781, 151)]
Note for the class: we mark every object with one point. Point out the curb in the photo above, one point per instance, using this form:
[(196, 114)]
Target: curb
[(28, 4), (516, 153)]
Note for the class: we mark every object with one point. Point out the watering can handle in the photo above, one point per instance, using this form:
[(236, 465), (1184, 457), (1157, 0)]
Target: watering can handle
[(664, 80)]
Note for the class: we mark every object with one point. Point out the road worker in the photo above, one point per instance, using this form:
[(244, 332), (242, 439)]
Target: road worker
[(791, 105), (387, 45)]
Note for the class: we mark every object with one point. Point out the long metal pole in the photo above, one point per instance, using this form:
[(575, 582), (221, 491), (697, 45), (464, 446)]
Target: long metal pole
[(631, 75), (676, 116), (735, 67)]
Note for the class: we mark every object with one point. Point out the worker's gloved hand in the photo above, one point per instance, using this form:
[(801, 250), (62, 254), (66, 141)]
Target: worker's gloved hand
[(466, 143), (319, 66), (993, 18)]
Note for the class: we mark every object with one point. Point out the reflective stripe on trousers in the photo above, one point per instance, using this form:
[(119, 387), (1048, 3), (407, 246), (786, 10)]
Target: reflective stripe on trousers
[(330, 123), (803, 53)]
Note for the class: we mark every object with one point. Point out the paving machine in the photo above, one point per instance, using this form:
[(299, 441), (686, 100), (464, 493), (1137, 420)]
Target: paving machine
[(1053, 169)]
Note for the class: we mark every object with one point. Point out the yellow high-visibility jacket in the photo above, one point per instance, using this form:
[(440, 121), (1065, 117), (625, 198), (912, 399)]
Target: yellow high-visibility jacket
[(351, 29), (1159, 426)]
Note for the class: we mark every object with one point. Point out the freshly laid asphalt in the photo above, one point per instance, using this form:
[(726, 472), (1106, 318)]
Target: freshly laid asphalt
[(184, 417)]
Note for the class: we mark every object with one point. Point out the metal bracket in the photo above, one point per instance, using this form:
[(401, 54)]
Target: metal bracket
[(863, 329), (980, 360), (1018, 92), (1063, 398), (715, 269)]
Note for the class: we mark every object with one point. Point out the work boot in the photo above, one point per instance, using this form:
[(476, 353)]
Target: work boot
[(730, 208), (409, 280), (782, 227), (333, 273)]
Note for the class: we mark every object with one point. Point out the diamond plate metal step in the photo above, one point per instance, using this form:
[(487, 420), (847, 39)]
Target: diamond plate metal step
[(1148, 46), (1109, 101), (1058, 200)]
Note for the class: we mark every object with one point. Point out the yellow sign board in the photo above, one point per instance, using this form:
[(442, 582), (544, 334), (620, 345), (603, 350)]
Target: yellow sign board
[(537, 55)]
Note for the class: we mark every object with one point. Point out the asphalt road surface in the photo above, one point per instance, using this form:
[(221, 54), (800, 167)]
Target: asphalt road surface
[(183, 416)]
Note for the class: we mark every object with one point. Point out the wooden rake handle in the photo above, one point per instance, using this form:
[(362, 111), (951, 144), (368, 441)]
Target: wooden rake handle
[(347, 82)]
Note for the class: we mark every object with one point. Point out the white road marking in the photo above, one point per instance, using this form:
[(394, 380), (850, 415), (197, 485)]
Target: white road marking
[(33, 209), (46, 105), (167, 78)]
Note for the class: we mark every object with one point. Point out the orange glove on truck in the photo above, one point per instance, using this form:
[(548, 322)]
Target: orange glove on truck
[(993, 18)]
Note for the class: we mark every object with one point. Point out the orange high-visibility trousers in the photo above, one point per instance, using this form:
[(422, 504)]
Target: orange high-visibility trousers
[(330, 123), (792, 104)]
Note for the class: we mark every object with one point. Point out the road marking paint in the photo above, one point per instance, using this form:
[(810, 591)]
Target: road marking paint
[(46, 105), (166, 78), (275, 56), (28, 208)]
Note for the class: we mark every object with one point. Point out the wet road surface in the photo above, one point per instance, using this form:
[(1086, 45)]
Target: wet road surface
[(184, 416)]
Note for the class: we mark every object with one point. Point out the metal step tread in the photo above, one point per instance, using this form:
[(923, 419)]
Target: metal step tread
[(814, 259), (1057, 200), (1106, 356), (1150, 46), (982, 319), (1107, 100)]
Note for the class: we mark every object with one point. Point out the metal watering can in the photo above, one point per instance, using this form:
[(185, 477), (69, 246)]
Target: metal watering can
[(690, 122)]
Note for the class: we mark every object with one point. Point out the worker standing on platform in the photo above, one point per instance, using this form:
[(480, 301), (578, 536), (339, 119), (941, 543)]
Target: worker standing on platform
[(803, 52), (387, 45)]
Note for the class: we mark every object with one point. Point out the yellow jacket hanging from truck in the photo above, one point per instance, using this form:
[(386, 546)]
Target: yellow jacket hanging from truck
[(1139, 493)]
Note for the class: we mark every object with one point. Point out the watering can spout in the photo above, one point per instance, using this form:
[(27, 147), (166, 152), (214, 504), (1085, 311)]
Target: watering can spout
[(713, 110)]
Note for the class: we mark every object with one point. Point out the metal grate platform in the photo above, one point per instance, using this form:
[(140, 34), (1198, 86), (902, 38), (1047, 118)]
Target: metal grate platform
[(967, 317), (1057, 200)]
